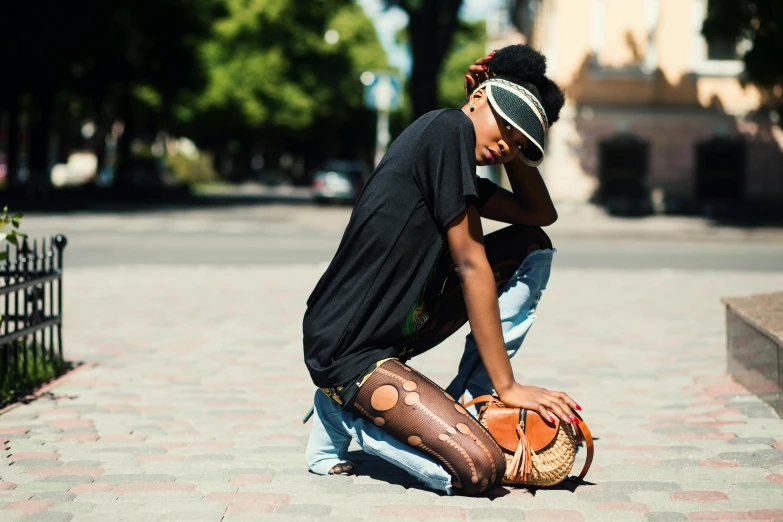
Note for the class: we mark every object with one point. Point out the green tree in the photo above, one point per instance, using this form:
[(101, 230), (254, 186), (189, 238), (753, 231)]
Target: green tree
[(272, 76), (761, 23), (470, 42)]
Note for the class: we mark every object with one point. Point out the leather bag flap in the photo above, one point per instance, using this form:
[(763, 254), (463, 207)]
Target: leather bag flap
[(502, 424), (539, 433)]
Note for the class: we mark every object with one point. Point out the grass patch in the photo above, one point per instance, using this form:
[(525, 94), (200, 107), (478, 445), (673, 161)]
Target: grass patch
[(25, 366)]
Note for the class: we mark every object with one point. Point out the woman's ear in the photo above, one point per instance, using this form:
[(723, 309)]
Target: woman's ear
[(477, 99)]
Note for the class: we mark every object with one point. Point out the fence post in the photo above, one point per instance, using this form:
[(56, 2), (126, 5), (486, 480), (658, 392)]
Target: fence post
[(60, 242)]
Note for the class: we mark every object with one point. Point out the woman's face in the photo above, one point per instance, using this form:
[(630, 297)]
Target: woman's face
[(497, 141)]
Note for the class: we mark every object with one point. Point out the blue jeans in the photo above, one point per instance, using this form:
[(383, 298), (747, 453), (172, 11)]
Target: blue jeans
[(334, 427)]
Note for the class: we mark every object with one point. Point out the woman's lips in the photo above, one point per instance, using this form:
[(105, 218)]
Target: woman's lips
[(492, 156)]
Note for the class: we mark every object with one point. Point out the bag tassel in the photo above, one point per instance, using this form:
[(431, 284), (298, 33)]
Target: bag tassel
[(522, 463)]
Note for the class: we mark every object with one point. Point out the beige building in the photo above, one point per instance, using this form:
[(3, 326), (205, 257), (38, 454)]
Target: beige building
[(655, 114)]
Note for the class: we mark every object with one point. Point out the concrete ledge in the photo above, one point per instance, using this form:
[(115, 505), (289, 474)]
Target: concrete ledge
[(754, 329)]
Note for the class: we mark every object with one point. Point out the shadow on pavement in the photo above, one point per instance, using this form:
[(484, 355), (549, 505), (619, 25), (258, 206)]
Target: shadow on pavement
[(378, 469), (96, 200)]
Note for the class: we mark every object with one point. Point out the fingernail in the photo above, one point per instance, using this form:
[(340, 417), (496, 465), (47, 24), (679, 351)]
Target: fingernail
[(467, 78), (578, 408), (484, 67), (552, 420), (493, 52)]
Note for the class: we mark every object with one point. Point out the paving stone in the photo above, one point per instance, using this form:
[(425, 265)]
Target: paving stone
[(496, 514), (159, 496), (37, 463), (761, 458), (73, 507), (208, 458), (120, 516), (665, 516), (84, 464), (69, 479), (603, 496), (681, 463), (315, 510), (628, 486), (126, 478), (751, 440), (50, 516), (131, 450), (54, 496), (97, 497), (699, 430), (191, 516), (39, 486)]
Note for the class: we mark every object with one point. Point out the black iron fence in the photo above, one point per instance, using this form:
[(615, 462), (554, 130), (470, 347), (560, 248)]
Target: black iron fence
[(31, 296)]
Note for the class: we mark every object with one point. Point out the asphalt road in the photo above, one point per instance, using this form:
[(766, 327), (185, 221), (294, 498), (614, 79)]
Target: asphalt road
[(305, 234)]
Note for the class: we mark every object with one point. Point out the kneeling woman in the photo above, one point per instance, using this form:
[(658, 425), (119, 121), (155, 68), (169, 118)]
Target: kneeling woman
[(414, 265)]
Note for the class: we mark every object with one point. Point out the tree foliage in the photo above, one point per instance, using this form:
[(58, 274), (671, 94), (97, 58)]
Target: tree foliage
[(760, 22), (11, 235), (269, 65), (470, 41)]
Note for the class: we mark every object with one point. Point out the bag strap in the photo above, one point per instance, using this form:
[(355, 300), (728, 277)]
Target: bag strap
[(588, 437), (581, 428), (482, 398)]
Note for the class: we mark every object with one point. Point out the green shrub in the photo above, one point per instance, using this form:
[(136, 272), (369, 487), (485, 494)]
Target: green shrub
[(191, 168), (29, 367), (12, 235)]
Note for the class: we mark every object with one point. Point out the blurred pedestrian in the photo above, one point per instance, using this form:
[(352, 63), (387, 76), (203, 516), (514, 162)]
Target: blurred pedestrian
[(414, 265)]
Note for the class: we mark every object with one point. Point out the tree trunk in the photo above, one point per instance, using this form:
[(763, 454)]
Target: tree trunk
[(40, 128), (431, 29), (13, 141), (122, 172)]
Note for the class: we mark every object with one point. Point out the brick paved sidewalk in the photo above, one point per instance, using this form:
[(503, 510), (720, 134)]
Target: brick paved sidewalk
[(192, 410)]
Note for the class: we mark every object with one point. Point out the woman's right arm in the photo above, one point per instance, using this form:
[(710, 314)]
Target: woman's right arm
[(466, 242)]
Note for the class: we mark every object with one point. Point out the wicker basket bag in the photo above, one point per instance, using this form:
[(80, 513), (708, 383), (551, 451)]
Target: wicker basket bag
[(537, 453)]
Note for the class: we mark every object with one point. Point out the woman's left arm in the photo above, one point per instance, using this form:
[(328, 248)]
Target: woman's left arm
[(529, 203)]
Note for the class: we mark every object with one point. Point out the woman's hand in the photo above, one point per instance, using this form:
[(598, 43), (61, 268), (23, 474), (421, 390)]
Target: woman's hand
[(544, 402), (477, 73)]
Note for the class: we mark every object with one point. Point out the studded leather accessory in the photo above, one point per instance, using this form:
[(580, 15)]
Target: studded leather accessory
[(537, 453)]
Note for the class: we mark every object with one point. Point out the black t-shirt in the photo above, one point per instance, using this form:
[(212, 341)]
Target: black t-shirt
[(359, 312)]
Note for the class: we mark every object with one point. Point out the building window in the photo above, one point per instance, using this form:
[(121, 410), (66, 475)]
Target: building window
[(717, 57), (720, 48)]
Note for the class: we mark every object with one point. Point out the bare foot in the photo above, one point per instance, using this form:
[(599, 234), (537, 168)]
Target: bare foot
[(344, 468)]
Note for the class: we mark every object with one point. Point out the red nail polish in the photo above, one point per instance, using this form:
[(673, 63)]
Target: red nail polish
[(484, 67), (493, 52), (552, 420), (578, 408)]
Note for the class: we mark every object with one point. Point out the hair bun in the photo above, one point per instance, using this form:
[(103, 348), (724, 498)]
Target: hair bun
[(525, 66), (519, 61)]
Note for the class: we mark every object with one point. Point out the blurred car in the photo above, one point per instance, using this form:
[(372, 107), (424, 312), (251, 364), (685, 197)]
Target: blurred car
[(339, 181)]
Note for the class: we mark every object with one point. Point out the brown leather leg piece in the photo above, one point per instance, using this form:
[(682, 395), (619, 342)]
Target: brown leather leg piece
[(413, 409)]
